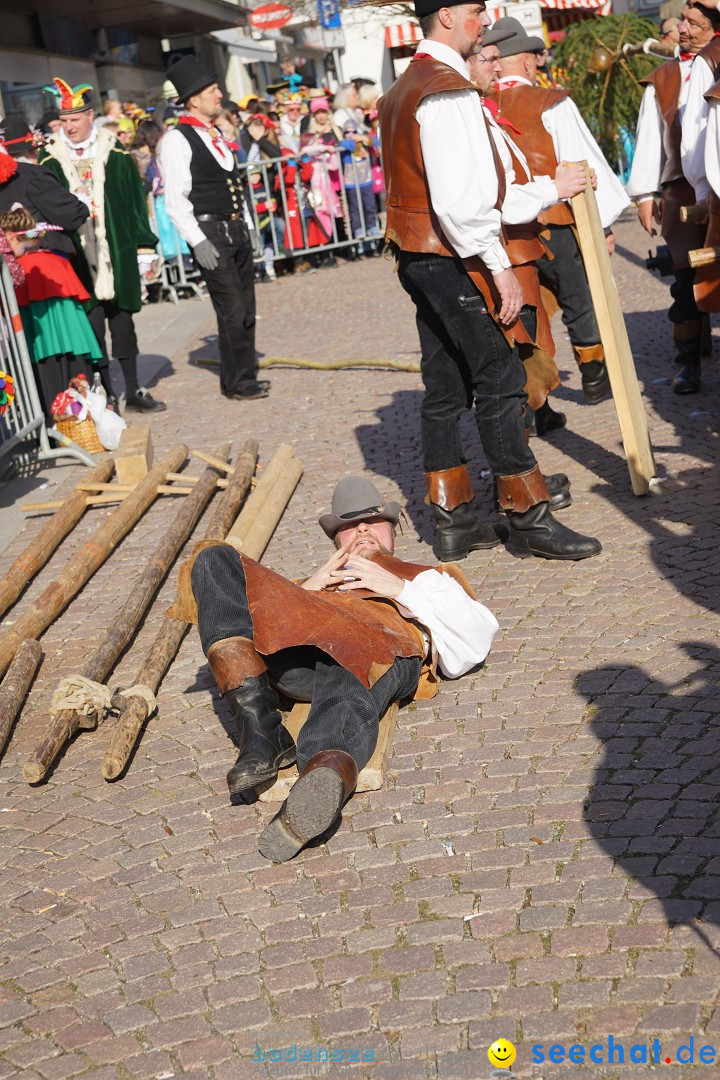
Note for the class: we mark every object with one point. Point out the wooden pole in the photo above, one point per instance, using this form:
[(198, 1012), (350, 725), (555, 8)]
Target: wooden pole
[(273, 509), (83, 564), (170, 636), (696, 212), (613, 333), (16, 685), (704, 256), (39, 550), (99, 665), (275, 469), (114, 493)]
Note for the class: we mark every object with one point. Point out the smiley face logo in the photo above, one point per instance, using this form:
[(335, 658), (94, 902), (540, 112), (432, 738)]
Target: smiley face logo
[(502, 1054)]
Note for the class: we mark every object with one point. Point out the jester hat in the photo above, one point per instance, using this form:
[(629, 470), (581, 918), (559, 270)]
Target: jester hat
[(70, 99)]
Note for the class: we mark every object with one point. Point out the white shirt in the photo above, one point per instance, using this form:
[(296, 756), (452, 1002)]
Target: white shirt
[(712, 147), (461, 629), (175, 158), (694, 124), (454, 135), (573, 141), (651, 140)]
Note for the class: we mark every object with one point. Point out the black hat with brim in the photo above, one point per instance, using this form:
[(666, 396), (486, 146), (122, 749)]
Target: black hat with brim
[(189, 77), (429, 7), (512, 38), (16, 135)]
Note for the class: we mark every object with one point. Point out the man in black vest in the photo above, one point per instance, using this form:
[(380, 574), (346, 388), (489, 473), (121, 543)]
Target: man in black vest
[(204, 200)]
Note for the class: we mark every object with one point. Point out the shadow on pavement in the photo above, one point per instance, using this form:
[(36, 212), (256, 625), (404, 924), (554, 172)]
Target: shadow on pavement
[(654, 805)]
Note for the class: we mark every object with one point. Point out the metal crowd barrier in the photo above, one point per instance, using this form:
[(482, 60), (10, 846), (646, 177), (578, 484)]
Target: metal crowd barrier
[(24, 419), (303, 203)]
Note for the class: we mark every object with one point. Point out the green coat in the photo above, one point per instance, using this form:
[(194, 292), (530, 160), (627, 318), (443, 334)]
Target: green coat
[(127, 225)]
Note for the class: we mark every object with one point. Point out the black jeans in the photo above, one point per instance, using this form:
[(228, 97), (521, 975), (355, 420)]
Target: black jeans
[(566, 278), (232, 291), (465, 358), (123, 342), (344, 714)]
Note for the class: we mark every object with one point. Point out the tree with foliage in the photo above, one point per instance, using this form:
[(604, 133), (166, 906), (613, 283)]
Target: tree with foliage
[(605, 84)]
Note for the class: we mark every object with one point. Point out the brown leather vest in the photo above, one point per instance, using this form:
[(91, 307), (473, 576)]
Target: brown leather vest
[(711, 55), (713, 93), (362, 631), (666, 81), (412, 224), (523, 106)]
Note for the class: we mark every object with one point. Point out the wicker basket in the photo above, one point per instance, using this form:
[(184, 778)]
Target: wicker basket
[(82, 432)]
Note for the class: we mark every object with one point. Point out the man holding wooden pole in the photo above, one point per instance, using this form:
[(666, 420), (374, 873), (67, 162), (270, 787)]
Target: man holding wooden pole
[(363, 631)]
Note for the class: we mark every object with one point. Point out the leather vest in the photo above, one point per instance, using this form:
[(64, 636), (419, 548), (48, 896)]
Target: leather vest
[(523, 106), (412, 225), (711, 55), (363, 632), (214, 190), (666, 81)]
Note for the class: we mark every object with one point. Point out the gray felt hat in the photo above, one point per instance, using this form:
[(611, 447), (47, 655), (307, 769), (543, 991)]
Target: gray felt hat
[(357, 499), (512, 38)]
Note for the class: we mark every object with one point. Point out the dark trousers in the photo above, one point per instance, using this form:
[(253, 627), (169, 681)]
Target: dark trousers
[(344, 714), (232, 291), (566, 278), (123, 342), (465, 358), (365, 197), (683, 307)]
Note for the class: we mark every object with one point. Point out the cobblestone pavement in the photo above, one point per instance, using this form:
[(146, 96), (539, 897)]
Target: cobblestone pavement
[(543, 863)]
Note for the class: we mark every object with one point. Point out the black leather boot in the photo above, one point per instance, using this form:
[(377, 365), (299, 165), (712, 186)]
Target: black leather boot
[(688, 341), (536, 532), (547, 420), (457, 531), (558, 486), (593, 372), (265, 744)]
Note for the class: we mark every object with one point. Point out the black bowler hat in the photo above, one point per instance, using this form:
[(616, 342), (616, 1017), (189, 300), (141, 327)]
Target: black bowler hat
[(429, 7), (189, 77)]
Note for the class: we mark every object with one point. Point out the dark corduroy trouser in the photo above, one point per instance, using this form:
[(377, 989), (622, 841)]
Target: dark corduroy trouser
[(344, 714)]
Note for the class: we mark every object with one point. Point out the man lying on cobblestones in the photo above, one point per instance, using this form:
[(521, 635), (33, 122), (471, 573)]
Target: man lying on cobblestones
[(363, 631)]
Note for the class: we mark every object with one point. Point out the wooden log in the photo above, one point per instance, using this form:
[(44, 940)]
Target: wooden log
[(704, 256), (16, 685), (170, 636), (613, 334), (277, 465), (39, 550), (273, 509), (134, 456), (99, 665), (83, 564), (697, 212)]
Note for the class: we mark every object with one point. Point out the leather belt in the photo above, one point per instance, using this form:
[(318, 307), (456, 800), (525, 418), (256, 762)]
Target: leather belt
[(219, 217)]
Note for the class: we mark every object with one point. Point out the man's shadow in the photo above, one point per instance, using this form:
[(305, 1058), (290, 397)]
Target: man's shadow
[(653, 806)]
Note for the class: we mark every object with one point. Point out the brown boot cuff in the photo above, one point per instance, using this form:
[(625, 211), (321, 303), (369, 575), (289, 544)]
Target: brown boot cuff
[(341, 762), (584, 354), (449, 488), (232, 661), (686, 331), (520, 492)]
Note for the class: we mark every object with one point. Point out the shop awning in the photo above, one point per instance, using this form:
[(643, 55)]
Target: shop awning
[(596, 7), (400, 34), (160, 19), (246, 48)]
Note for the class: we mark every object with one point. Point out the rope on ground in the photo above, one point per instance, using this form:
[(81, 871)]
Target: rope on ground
[(319, 365), (141, 691), (84, 696)]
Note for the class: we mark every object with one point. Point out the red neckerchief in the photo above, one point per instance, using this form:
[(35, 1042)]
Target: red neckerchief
[(685, 55), (493, 109), (218, 139), (506, 84), (422, 56)]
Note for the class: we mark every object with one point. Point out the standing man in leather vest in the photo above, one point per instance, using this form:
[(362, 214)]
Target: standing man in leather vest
[(364, 630), (707, 278), (660, 187), (549, 129), (449, 190), (204, 200)]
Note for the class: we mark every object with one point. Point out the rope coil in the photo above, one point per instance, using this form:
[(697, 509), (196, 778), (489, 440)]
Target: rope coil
[(141, 691), (84, 696)]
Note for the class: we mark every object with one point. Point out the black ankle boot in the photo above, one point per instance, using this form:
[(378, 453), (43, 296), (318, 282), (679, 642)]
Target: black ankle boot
[(458, 532), (264, 743), (595, 381), (547, 420), (536, 532), (687, 379)]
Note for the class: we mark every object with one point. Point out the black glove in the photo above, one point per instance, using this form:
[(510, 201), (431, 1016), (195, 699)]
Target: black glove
[(207, 255)]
